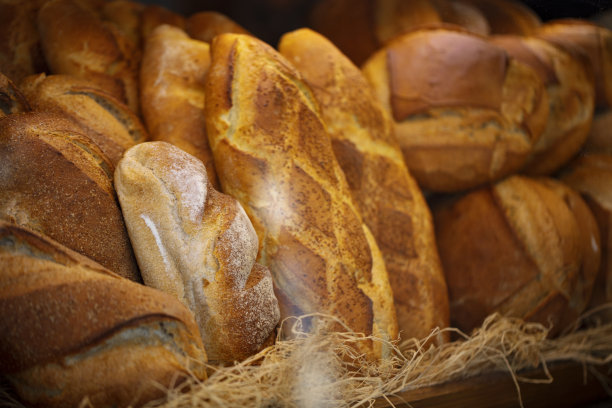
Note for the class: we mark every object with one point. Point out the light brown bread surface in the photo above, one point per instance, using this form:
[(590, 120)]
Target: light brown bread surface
[(523, 247), (108, 122), (56, 181), (199, 246), (571, 95), (465, 113), (274, 155), (76, 41), (387, 196), (172, 92), (72, 329)]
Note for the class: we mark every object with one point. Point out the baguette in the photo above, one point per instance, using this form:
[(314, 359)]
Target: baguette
[(198, 245), (386, 194), (73, 331), (274, 155)]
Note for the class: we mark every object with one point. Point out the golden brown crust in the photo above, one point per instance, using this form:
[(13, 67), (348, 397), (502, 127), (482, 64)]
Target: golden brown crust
[(522, 252), (460, 133), (56, 181), (172, 92), (198, 245), (570, 96), (108, 122), (599, 140), (154, 16), (63, 314), (507, 16), (20, 51), (77, 42), (11, 98), (590, 43), (126, 16), (388, 198), (205, 25), (273, 154)]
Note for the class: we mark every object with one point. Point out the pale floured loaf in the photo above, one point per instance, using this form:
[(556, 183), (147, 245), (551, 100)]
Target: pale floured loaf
[(198, 245), (273, 153), (386, 194)]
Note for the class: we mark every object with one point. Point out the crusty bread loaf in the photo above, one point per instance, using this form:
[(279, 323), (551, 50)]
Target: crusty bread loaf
[(126, 15), (591, 175), (108, 122), (387, 196), (273, 154), (20, 51), (205, 25), (465, 113), (154, 15), (523, 247), (72, 329), (11, 98), (589, 42), (172, 92), (57, 181), (507, 16), (599, 139), (76, 41), (198, 245), (571, 95), (462, 14)]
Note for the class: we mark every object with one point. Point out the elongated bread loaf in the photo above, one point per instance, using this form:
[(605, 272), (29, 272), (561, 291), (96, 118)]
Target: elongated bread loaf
[(172, 92), (388, 198), (273, 153), (108, 122), (76, 41), (465, 113), (72, 329), (198, 245), (571, 96), (57, 181)]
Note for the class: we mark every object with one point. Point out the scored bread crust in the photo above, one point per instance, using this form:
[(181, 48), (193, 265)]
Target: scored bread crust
[(57, 181), (465, 113), (108, 122), (73, 330), (172, 92), (571, 99), (198, 245), (388, 198), (76, 41), (274, 155)]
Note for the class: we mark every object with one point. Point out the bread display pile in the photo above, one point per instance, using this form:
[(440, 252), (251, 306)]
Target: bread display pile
[(173, 188)]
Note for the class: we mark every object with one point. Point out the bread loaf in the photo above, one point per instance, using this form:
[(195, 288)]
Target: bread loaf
[(154, 15), (76, 41), (465, 113), (590, 175), (523, 247), (570, 96), (108, 122), (72, 330), (172, 92), (11, 98), (590, 43), (599, 140), (205, 25), (508, 16), (387, 196), (274, 155), (198, 245), (56, 181), (126, 16)]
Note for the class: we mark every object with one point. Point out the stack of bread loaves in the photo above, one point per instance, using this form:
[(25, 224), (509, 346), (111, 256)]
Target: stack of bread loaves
[(172, 187)]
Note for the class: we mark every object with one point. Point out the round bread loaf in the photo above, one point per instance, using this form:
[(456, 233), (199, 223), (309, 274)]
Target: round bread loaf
[(198, 245), (74, 331), (387, 195), (591, 175), (108, 122), (465, 113), (55, 180), (273, 153), (570, 97), (527, 248)]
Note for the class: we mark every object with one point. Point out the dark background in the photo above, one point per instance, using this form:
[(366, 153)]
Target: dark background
[(269, 19)]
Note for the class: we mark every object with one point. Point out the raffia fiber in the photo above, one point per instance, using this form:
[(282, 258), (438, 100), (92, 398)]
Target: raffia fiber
[(323, 370)]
